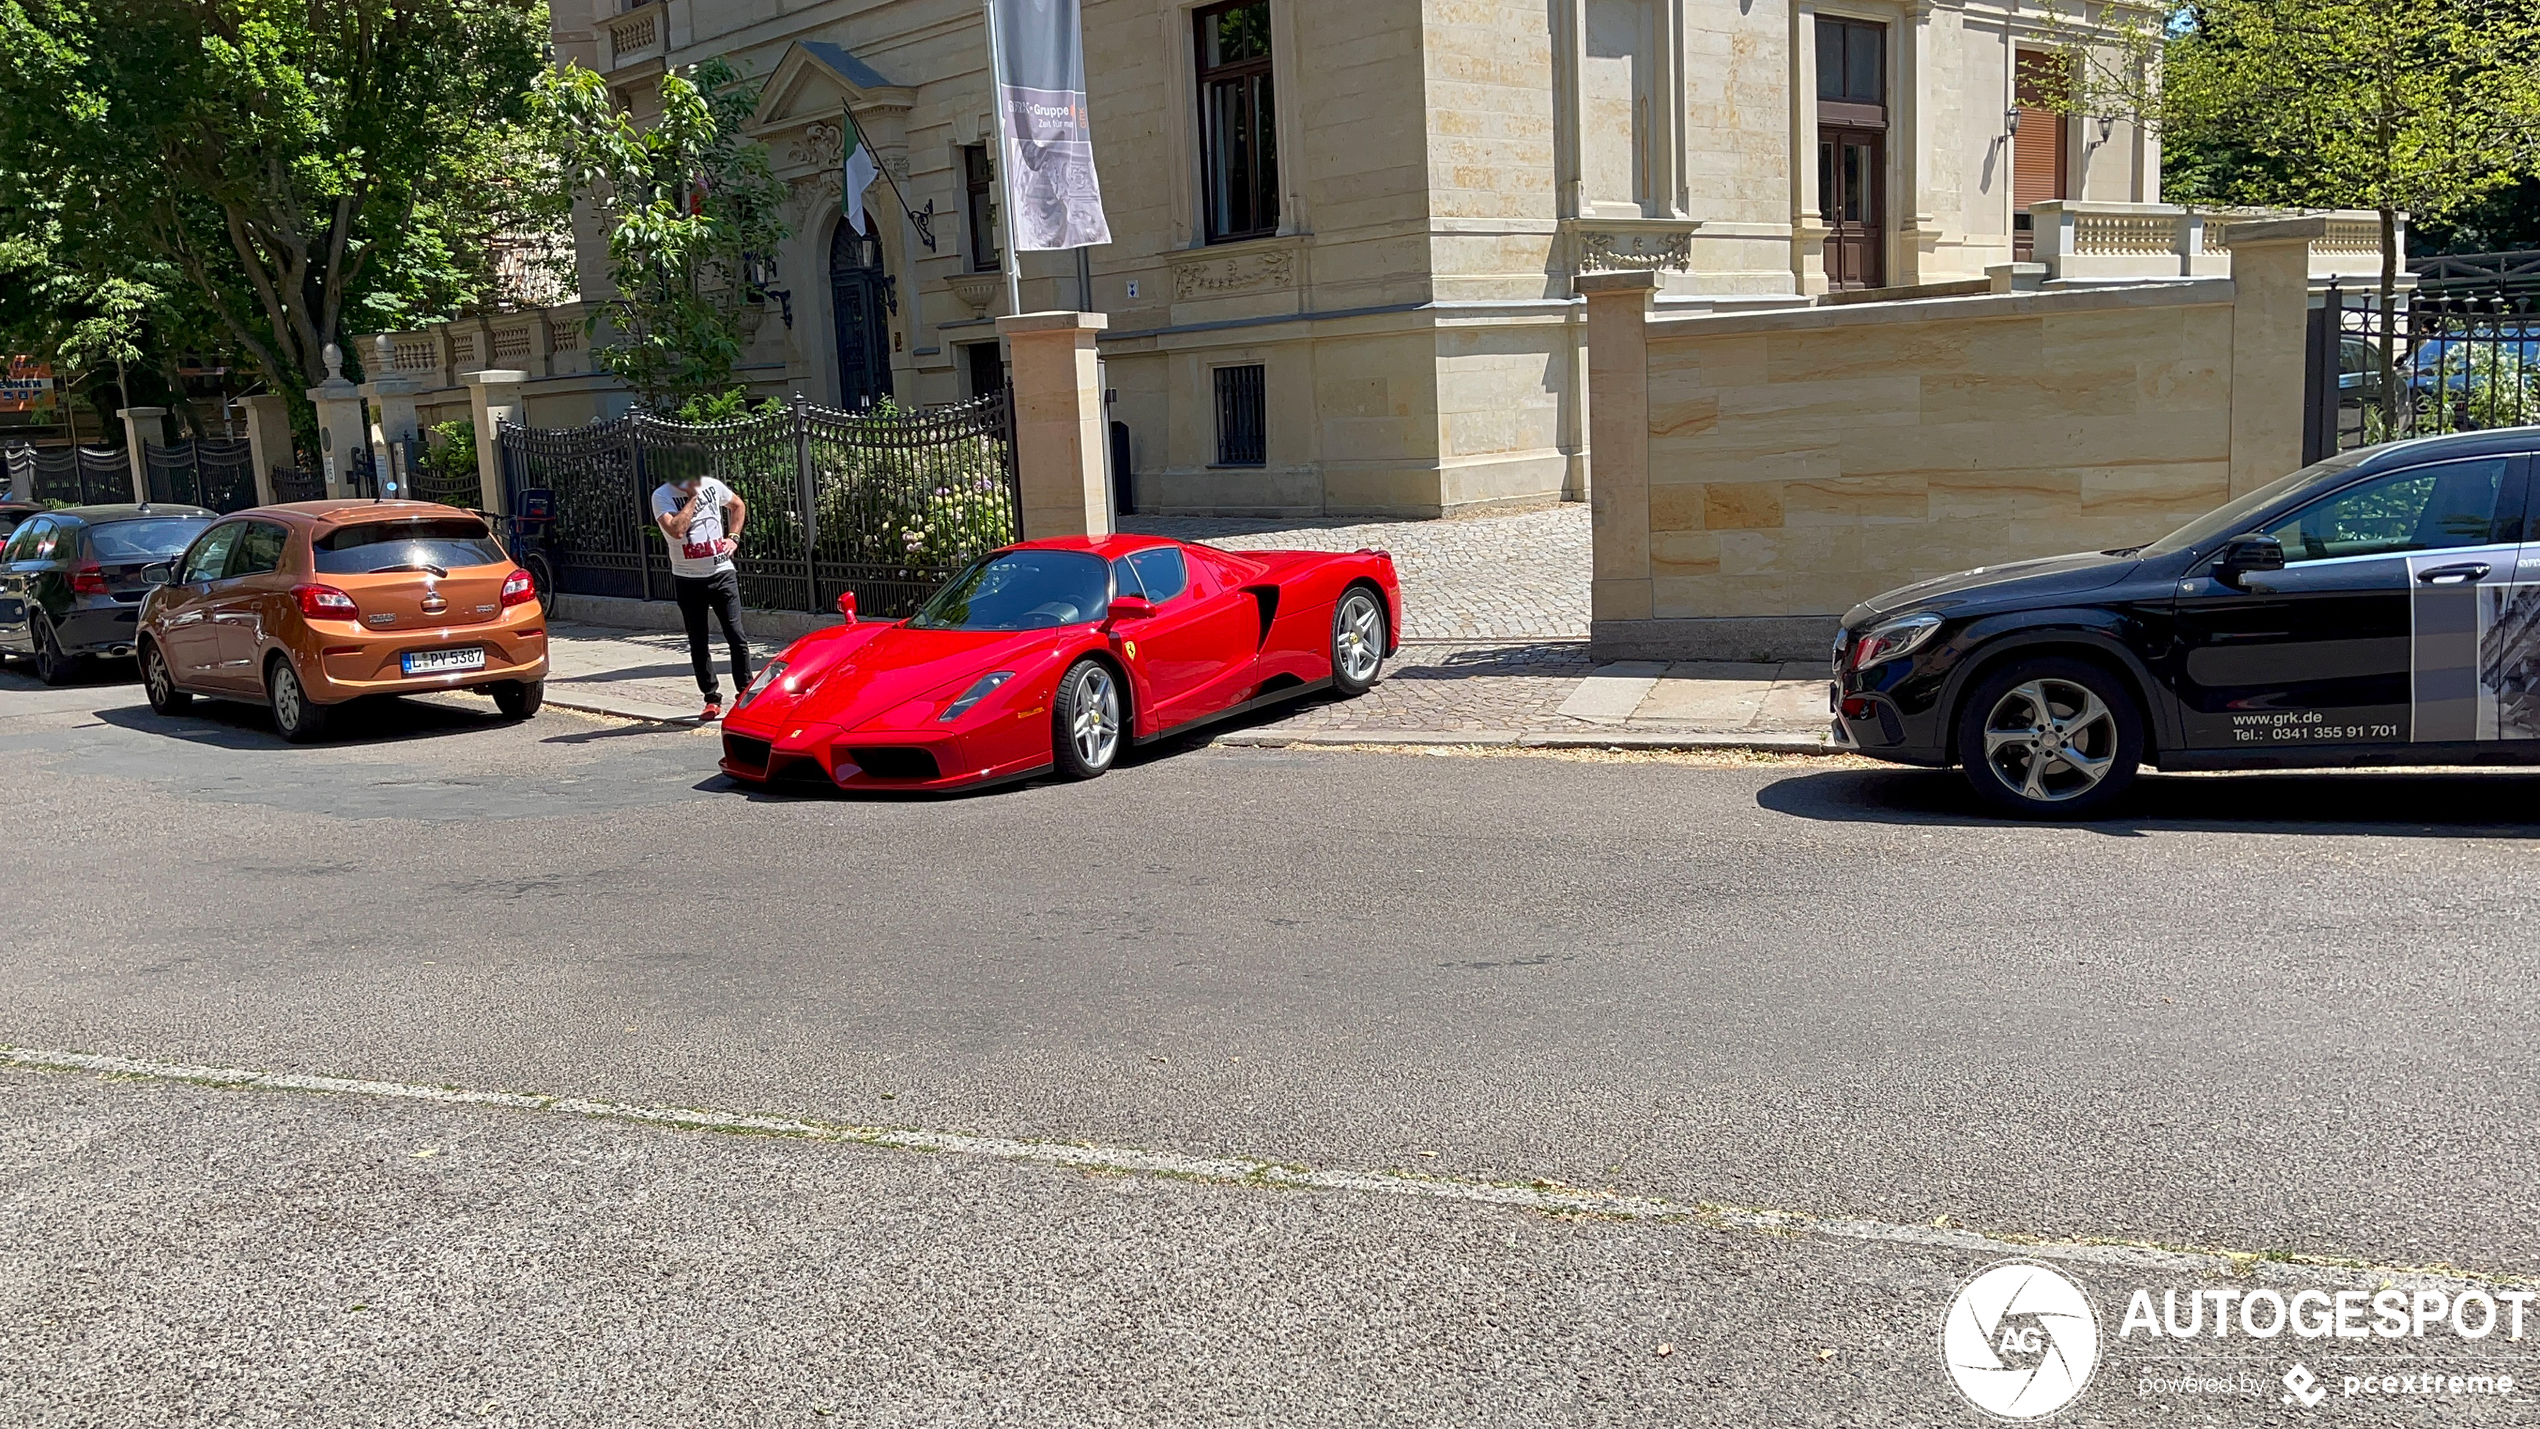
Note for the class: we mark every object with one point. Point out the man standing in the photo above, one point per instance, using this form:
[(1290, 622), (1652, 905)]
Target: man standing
[(701, 518)]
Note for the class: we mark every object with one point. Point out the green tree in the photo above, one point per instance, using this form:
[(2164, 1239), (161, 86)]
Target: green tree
[(684, 202), (2414, 107), (295, 165)]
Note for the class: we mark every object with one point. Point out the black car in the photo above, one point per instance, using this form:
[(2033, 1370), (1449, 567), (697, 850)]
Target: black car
[(70, 580), (2371, 608)]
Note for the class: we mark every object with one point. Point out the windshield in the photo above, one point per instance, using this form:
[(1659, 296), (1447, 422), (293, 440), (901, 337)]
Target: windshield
[(2234, 517), (118, 542), (441, 542), (1022, 590)]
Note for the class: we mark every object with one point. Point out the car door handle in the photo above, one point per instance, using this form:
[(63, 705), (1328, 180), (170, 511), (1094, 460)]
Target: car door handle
[(2454, 575)]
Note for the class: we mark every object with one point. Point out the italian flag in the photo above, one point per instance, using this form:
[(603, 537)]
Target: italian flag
[(859, 173)]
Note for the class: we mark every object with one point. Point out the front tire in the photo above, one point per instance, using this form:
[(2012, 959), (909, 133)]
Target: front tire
[(295, 716), (519, 699), (2051, 738), (1088, 721), (160, 682), (1358, 641)]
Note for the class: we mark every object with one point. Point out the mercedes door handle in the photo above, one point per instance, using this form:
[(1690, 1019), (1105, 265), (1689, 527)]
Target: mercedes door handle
[(2454, 575)]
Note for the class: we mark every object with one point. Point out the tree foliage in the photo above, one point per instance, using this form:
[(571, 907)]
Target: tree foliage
[(685, 201), (294, 168)]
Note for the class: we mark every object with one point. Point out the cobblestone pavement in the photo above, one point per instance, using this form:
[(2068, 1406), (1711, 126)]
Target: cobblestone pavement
[(1482, 578)]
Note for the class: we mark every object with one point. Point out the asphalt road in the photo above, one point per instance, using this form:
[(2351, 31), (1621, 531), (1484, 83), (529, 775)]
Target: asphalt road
[(2291, 1017)]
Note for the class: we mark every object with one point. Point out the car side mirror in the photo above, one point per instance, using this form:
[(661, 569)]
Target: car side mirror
[(1132, 607), (2243, 555), (163, 573), (846, 605)]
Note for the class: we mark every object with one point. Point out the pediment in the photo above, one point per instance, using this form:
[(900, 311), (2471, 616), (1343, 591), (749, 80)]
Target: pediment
[(815, 78)]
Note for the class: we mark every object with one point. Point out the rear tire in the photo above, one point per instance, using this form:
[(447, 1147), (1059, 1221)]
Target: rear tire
[(1358, 641), (1088, 721), (2050, 738), (542, 579), (295, 717), (52, 665), (519, 699), (160, 682)]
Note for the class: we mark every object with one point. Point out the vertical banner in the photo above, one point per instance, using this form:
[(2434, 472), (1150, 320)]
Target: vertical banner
[(1052, 198)]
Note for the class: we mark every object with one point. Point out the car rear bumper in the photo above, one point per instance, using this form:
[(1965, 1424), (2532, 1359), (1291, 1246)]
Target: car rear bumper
[(99, 625), (876, 762), (352, 663)]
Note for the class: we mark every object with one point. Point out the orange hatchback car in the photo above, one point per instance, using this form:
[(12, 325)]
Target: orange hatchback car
[(310, 605)]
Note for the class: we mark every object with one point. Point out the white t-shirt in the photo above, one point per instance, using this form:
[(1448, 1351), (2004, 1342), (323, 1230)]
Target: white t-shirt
[(697, 555)]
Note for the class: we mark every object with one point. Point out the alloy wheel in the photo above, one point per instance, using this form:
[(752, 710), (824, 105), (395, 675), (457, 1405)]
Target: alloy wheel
[(1097, 728), (287, 711), (2051, 739), (1359, 644), (154, 673)]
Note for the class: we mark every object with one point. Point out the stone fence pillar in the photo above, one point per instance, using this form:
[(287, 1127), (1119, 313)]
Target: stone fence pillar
[(339, 415), (142, 425), (1618, 443), (493, 396), (2270, 321), (1058, 423), (395, 423), (268, 439)]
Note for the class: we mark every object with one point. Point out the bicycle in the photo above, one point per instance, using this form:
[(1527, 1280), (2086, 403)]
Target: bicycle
[(525, 540)]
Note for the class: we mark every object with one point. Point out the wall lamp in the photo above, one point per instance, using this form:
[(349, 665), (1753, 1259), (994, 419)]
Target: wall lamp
[(2107, 126), (2011, 120)]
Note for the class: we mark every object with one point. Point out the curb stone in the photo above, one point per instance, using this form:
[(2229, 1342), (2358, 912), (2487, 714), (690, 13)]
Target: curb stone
[(1535, 739)]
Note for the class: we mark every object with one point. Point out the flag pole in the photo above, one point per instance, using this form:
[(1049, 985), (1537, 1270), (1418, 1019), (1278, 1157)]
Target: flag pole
[(1005, 158)]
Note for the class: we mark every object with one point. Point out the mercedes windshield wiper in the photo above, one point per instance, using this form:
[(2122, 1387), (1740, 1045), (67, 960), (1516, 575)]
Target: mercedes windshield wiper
[(437, 572)]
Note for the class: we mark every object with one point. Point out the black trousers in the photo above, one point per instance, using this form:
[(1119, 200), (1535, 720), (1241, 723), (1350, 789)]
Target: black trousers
[(721, 594)]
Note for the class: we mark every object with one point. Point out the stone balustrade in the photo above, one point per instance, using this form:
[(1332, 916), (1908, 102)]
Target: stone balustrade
[(543, 342), (2084, 241)]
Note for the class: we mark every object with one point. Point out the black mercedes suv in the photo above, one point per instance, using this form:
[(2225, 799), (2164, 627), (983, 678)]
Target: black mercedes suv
[(2378, 607)]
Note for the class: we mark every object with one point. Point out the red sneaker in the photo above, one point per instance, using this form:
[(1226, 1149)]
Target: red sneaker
[(713, 712)]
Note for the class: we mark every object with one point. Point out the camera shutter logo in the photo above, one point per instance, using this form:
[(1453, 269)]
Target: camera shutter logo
[(2020, 1340)]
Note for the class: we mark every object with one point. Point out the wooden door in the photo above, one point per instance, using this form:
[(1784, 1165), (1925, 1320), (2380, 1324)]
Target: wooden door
[(1852, 194), (859, 295)]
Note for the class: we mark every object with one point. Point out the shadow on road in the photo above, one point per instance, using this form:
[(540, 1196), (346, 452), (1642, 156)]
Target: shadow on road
[(2490, 803), (229, 724)]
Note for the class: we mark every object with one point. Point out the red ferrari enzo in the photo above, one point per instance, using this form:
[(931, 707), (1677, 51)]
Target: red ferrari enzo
[(1051, 655)]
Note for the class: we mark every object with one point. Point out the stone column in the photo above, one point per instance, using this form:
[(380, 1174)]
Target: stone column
[(339, 415), (1807, 226), (140, 425), (1058, 426), (2270, 321), (394, 422), (1618, 445), (493, 396), (268, 439)]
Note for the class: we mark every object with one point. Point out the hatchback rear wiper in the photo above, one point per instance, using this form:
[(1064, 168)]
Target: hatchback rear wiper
[(437, 572)]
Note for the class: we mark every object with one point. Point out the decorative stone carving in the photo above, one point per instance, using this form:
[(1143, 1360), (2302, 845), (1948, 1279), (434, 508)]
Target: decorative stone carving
[(976, 290), (811, 195), (819, 143), (1242, 273), (1603, 251)]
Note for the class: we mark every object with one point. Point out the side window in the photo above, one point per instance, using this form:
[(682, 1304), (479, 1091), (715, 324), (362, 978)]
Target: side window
[(1161, 571), (1124, 578), (2422, 508), (48, 541), (22, 541), (210, 554), (259, 550)]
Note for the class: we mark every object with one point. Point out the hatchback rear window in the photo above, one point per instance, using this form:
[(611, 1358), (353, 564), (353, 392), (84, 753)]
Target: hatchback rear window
[(118, 542), (443, 542)]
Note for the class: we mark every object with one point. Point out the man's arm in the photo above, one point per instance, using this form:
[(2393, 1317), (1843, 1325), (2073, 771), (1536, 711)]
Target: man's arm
[(674, 524), (735, 515)]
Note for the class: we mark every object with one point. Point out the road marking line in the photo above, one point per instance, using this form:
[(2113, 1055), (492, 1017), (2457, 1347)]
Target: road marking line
[(1545, 1196)]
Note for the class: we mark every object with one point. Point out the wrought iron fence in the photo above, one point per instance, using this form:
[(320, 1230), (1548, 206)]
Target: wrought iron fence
[(886, 502), (430, 482), (87, 476), (218, 472), (2460, 361), (290, 483)]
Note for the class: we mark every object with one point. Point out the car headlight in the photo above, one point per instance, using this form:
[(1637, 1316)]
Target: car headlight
[(1892, 639), (979, 690), (768, 674)]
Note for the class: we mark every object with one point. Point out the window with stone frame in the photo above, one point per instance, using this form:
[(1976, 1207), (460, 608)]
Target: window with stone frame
[(979, 211), (1238, 142)]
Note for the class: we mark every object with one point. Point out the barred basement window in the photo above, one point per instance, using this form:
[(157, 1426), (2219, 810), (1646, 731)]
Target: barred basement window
[(1242, 416)]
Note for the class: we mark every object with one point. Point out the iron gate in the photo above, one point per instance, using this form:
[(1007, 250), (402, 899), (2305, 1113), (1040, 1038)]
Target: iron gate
[(886, 502), (2461, 361), (86, 476), (217, 472)]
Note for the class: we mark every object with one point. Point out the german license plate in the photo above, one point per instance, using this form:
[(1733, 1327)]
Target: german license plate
[(435, 662)]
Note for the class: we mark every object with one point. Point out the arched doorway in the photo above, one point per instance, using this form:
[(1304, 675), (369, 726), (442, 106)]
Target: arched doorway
[(858, 297)]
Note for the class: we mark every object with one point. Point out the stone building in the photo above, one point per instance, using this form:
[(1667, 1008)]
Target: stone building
[(1345, 236)]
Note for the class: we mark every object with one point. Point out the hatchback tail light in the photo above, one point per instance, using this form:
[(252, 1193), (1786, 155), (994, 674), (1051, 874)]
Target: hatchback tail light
[(325, 602), (88, 579), (518, 589)]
